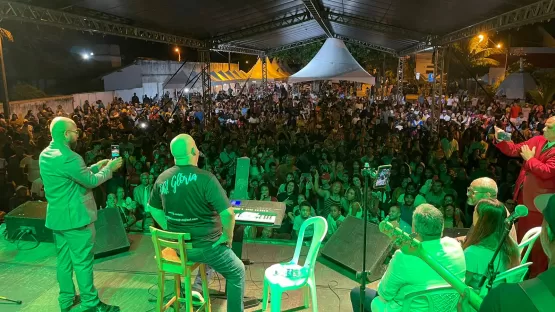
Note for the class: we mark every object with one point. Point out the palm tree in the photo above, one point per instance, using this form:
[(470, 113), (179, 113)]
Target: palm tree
[(546, 88), (474, 55), (4, 33)]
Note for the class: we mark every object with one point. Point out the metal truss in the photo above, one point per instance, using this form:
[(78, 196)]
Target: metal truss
[(264, 72), (362, 23), (368, 45), (437, 88), (419, 47), (236, 49), (295, 45), (400, 78), (204, 56), (533, 13), (292, 18), (529, 14), (319, 14), (27, 13)]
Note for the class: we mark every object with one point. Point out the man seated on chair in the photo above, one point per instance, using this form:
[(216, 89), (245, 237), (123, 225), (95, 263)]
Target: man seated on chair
[(537, 294), (187, 199), (407, 274)]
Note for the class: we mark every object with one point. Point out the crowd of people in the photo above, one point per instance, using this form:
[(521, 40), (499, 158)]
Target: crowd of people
[(305, 150)]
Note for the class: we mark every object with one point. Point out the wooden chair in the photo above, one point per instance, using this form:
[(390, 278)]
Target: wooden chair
[(166, 248)]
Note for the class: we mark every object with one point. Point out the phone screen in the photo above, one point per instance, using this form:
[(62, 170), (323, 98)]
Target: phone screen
[(384, 173), (115, 151)]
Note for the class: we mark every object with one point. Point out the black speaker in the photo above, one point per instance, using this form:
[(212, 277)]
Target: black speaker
[(111, 237), (29, 216), (343, 251)]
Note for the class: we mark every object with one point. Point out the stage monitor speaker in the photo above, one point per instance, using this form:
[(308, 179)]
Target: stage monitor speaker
[(111, 237), (343, 251), (241, 190), (29, 216)]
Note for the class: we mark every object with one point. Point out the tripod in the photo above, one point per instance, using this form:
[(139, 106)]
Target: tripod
[(367, 173)]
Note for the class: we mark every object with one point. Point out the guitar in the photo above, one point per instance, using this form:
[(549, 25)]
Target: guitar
[(412, 246)]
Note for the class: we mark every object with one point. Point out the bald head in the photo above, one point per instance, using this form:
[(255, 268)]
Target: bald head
[(184, 150), (59, 128), (481, 188)]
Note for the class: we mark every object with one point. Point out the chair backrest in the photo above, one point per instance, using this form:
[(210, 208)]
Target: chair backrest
[(439, 299), (514, 275), (527, 243), (175, 241), (320, 230)]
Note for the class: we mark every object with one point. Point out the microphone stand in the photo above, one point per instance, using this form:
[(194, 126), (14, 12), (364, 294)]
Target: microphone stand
[(366, 173), (491, 272)]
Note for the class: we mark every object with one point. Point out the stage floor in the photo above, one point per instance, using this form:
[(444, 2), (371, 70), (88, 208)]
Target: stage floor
[(129, 279)]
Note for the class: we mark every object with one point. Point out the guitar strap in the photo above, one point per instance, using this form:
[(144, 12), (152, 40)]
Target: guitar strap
[(539, 294)]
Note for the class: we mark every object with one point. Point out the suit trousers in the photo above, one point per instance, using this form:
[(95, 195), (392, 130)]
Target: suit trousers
[(75, 254), (537, 256)]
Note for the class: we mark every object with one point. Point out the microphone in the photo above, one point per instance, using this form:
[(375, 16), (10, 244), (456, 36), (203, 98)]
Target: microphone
[(520, 211)]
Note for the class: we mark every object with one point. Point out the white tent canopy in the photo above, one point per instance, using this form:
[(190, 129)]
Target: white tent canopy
[(516, 85), (333, 62)]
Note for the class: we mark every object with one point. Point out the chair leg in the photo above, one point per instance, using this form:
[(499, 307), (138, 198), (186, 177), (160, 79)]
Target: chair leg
[(275, 304), (312, 286), (160, 296), (306, 296), (188, 291), (205, 290), (177, 281), (265, 295)]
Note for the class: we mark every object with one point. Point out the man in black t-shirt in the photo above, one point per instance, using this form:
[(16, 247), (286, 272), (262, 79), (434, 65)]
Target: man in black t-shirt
[(537, 294), (187, 199)]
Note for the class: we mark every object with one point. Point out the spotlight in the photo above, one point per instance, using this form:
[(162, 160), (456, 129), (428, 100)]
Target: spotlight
[(143, 125), (92, 54), (85, 56)]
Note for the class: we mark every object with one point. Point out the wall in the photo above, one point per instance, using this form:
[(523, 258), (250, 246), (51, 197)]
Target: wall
[(21, 107), (126, 78), (106, 97)]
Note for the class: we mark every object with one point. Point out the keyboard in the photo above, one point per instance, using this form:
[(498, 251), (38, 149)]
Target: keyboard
[(247, 216), (261, 213)]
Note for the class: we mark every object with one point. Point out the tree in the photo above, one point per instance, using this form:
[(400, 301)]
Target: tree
[(546, 87), (8, 35), (474, 55)]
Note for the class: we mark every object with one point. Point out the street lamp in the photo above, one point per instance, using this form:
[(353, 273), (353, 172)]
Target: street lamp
[(187, 92), (178, 54), (481, 37)]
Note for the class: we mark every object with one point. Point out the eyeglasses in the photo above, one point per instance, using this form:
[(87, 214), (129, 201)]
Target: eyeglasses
[(470, 191), (76, 131)]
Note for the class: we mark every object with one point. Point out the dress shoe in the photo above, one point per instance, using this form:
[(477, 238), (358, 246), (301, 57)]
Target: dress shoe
[(76, 301), (102, 307)]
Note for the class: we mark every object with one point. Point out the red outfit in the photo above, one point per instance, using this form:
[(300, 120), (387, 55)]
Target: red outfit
[(537, 177)]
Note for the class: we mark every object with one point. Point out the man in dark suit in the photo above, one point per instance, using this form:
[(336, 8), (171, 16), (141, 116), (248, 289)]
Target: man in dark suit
[(537, 177), (71, 212), (537, 294)]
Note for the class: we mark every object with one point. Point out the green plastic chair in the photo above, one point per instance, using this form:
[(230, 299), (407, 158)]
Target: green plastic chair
[(514, 275), (528, 242), (439, 299), (278, 281)]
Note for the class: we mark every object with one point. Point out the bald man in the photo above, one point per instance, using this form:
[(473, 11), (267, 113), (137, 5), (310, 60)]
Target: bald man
[(187, 199), (484, 188), (71, 213), (537, 177)]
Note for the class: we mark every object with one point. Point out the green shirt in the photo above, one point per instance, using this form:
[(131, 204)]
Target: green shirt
[(547, 146)]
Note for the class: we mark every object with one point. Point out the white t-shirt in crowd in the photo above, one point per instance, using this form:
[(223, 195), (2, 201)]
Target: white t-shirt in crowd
[(37, 187), (33, 170)]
